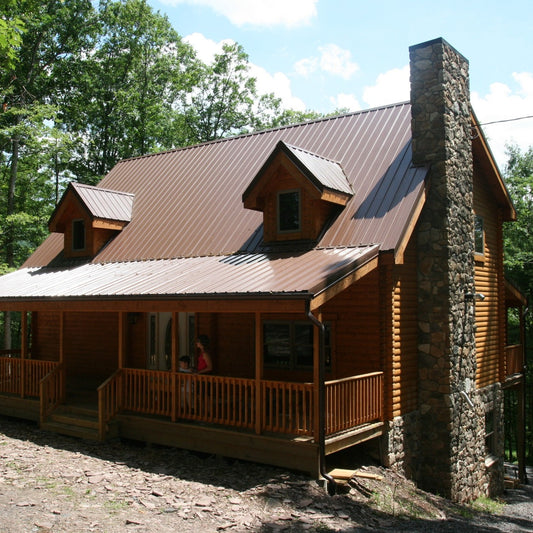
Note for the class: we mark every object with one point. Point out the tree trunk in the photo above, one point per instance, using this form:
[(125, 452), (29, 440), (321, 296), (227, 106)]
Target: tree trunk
[(10, 254)]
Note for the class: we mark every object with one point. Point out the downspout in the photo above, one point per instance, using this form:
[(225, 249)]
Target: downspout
[(331, 485)]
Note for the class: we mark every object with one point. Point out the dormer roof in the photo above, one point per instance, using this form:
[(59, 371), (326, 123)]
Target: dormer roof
[(99, 204), (326, 175)]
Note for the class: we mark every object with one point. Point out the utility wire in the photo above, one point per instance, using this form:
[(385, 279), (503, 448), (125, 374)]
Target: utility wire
[(505, 120)]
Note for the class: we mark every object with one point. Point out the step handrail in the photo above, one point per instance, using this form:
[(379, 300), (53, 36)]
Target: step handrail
[(51, 391), (109, 401)]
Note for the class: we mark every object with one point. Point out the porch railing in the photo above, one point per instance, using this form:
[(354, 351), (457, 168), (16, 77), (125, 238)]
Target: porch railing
[(220, 400), (514, 359), (52, 390), (22, 376), (284, 407), (353, 401), (277, 407), (147, 391), (287, 407)]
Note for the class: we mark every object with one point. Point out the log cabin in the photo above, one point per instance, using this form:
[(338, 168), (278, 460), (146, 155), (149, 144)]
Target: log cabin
[(348, 273)]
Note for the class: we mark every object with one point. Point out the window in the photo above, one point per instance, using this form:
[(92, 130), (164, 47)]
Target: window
[(289, 344), (479, 235), (289, 211), (78, 235), (489, 433)]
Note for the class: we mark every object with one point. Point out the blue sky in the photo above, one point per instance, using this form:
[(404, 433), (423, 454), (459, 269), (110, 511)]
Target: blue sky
[(326, 54)]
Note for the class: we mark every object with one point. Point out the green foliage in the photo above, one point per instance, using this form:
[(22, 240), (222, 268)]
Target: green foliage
[(123, 103), (518, 246), (11, 29)]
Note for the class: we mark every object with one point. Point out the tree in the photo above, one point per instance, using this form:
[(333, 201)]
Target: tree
[(53, 30), (518, 246), (11, 30), (122, 104), (225, 100)]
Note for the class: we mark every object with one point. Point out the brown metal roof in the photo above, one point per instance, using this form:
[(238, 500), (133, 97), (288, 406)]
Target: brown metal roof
[(274, 275), (190, 235), (104, 203), (328, 173), (188, 202)]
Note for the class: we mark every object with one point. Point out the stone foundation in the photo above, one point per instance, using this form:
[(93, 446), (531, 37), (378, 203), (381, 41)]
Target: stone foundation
[(474, 470)]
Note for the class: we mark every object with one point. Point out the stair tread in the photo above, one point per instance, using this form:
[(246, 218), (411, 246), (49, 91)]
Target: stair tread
[(68, 429)]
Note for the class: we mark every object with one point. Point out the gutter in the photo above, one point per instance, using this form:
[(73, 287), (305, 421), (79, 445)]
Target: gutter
[(331, 485)]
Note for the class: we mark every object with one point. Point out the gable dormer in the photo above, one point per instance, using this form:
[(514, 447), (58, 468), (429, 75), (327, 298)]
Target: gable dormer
[(89, 217), (298, 193)]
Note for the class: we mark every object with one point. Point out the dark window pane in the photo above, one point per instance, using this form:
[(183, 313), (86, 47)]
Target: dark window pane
[(78, 235), (289, 211), (479, 236), (277, 348), (303, 344)]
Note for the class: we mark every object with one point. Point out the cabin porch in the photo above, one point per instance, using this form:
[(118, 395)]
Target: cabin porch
[(267, 421)]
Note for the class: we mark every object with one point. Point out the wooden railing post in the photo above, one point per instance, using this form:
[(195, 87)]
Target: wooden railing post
[(23, 352), (258, 375)]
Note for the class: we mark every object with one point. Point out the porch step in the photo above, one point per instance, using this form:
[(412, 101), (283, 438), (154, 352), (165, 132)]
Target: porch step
[(76, 416), (76, 422)]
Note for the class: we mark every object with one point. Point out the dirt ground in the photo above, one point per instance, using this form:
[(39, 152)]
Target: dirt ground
[(50, 483)]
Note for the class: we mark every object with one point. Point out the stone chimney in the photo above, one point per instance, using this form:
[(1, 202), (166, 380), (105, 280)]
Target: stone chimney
[(450, 456)]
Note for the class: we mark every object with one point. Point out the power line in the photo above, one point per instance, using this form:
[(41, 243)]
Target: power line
[(506, 120)]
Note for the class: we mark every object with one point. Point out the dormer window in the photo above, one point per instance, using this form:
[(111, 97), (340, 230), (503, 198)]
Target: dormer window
[(289, 211), (298, 192), (78, 235), (89, 217)]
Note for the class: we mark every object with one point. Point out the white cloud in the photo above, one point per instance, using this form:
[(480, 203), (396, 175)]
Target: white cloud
[(346, 101), (502, 104), (306, 67), (390, 87), (205, 48), (331, 59), (267, 13), (337, 61), (277, 83)]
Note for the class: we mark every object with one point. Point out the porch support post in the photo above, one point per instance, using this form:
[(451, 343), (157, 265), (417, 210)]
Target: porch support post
[(316, 381), (174, 365), (258, 373), (23, 351), (62, 353), (121, 340)]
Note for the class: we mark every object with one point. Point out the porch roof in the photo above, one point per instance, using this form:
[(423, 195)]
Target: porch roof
[(284, 274)]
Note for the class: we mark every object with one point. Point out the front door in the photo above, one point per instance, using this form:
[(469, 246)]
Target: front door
[(160, 339)]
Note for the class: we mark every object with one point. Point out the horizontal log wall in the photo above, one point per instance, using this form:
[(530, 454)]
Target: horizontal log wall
[(355, 316), (91, 344), (235, 351), (489, 281), (45, 335), (404, 369)]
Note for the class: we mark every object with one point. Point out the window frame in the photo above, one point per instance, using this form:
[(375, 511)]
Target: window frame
[(293, 345), (279, 219)]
